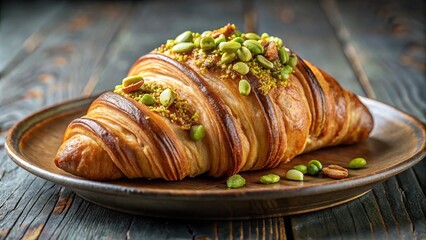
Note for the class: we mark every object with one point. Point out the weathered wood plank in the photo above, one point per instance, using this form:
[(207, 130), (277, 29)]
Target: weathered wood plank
[(75, 44), (268, 228), (67, 56), (90, 221), (384, 36), (414, 201), (419, 171), (66, 203), (23, 201), (21, 33), (375, 219), (145, 228)]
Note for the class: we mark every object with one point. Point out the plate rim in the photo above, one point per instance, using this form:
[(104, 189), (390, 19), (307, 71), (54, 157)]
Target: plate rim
[(12, 149)]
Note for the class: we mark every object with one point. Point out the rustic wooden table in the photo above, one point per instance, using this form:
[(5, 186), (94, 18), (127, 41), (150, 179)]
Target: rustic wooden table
[(54, 51)]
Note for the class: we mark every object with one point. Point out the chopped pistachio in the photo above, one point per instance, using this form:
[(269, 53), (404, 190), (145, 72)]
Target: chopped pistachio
[(197, 132), (183, 47), (252, 36), (244, 54), (167, 97), (207, 43), (220, 39), (147, 99), (264, 62), (228, 58), (244, 87), (131, 80), (184, 37), (238, 39), (254, 46), (229, 47), (241, 68), (292, 61), (235, 181), (283, 54)]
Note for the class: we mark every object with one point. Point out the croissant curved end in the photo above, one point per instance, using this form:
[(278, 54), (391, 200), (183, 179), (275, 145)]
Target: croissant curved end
[(81, 156)]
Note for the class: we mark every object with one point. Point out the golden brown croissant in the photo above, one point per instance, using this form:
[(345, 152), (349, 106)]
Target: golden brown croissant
[(219, 103)]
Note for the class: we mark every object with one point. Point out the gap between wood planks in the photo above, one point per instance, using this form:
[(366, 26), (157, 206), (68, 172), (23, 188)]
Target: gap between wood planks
[(333, 14)]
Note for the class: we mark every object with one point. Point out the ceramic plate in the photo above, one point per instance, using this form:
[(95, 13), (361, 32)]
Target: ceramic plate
[(396, 143)]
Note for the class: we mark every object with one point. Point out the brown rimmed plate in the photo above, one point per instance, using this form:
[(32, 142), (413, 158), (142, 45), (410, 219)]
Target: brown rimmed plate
[(396, 143)]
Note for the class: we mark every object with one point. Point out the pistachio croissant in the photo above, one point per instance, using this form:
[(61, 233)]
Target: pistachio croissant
[(219, 103)]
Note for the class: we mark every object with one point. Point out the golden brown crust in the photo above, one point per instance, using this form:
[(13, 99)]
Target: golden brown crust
[(82, 156), (244, 133)]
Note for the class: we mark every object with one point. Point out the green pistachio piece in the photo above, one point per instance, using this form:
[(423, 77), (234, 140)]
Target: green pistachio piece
[(131, 80), (197, 42), (167, 97), (264, 36), (235, 181), (228, 58), (284, 75), (184, 37), (287, 69), (316, 163), (244, 54), (241, 68), (292, 60), (278, 41), (207, 43), (264, 62), (252, 36), (294, 174), (302, 168), (283, 55), (357, 163), (183, 47), (269, 178), (229, 47), (254, 46), (147, 99), (220, 39), (244, 87), (312, 169), (238, 39), (197, 132)]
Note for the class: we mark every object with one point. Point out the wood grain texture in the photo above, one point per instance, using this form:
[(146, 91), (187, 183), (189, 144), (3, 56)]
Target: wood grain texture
[(393, 27), (73, 45), (20, 37), (96, 41)]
